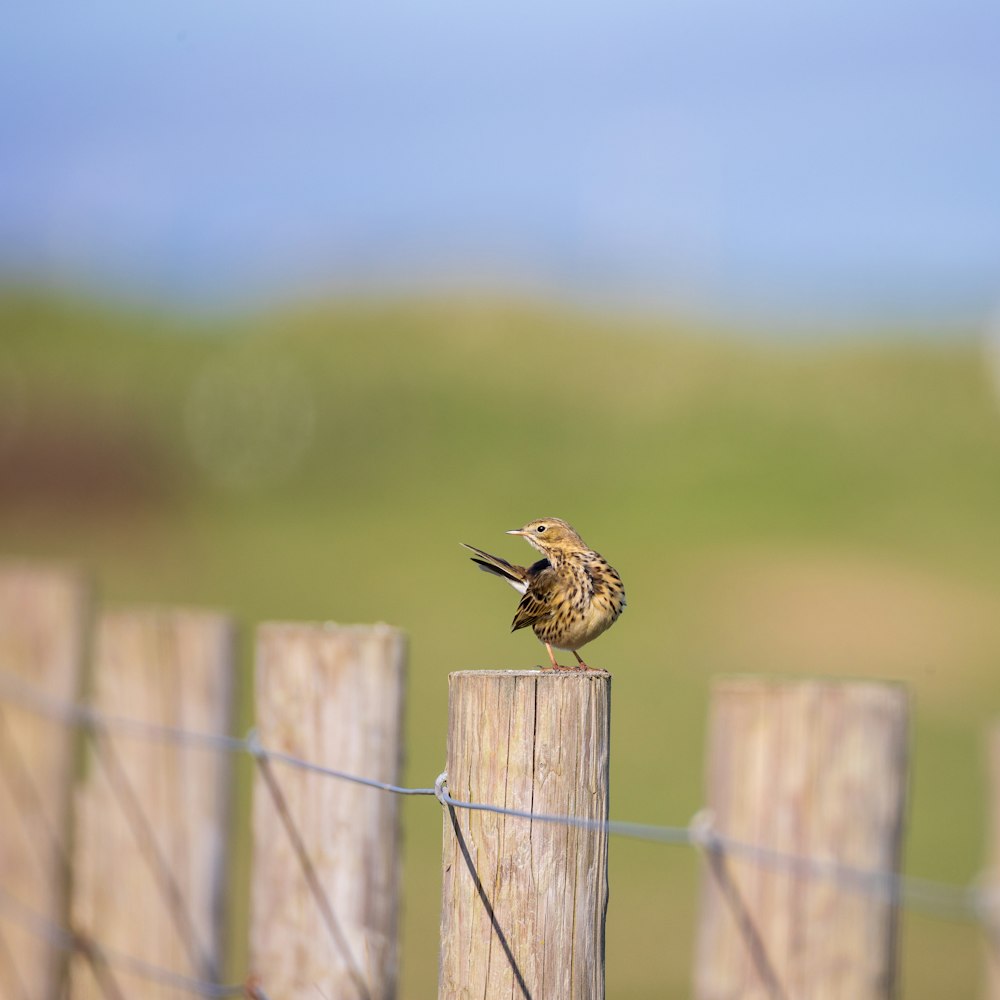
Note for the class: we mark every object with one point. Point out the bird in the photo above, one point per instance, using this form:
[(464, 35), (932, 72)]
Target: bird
[(568, 597)]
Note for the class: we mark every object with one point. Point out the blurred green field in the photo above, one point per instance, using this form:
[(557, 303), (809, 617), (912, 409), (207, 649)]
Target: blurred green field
[(795, 508)]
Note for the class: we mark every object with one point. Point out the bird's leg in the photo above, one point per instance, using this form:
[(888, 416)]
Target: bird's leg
[(579, 660), (552, 657)]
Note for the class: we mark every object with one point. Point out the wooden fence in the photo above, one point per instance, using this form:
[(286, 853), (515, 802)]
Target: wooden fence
[(116, 764)]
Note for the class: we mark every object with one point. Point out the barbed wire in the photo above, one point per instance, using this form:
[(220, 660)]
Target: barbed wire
[(976, 902)]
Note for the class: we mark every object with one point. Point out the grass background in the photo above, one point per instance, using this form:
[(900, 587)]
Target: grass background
[(780, 506)]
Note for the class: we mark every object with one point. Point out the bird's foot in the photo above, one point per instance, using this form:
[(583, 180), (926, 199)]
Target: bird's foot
[(558, 666)]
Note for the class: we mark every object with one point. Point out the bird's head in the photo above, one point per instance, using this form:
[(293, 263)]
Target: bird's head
[(550, 534)]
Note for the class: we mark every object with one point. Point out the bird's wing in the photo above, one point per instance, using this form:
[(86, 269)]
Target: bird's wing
[(539, 598), (516, 576)]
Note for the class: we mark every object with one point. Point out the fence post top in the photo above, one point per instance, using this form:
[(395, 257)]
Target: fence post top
[(546, 673), (313, 628)]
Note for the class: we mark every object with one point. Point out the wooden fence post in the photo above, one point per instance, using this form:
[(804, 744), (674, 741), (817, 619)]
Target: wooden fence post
[(815, 769), (325, 880), (44, 616), (152, 815), (992, 886), (523, 902)]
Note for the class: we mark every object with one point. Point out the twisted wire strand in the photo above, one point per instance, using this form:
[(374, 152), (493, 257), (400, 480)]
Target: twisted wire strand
[(65, 939), (973, 902)]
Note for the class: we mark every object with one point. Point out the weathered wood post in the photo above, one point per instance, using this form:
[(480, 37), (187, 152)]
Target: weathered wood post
[(44, 617), (992, 883), (326, 869), (814, 769), (152, 815), (524, 902)]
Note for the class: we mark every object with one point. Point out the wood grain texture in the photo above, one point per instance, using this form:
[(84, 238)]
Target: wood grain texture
[(816, 769), (326, 869), (524, 903), (44, 616), (152, 815)]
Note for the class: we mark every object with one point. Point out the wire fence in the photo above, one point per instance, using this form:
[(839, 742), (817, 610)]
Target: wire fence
[(976, 902)]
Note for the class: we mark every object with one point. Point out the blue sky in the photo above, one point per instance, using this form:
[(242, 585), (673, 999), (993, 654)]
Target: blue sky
[(833, 160)]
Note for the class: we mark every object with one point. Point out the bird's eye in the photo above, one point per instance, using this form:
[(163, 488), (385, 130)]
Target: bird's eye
[(540, 528)]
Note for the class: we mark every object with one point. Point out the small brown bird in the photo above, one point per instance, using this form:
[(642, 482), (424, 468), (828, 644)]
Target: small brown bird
[(568, 598)]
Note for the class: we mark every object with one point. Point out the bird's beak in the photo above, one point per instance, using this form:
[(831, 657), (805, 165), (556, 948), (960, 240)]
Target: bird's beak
[(516, 531)]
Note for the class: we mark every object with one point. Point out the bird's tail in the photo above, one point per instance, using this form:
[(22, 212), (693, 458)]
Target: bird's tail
[(516, 576)]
